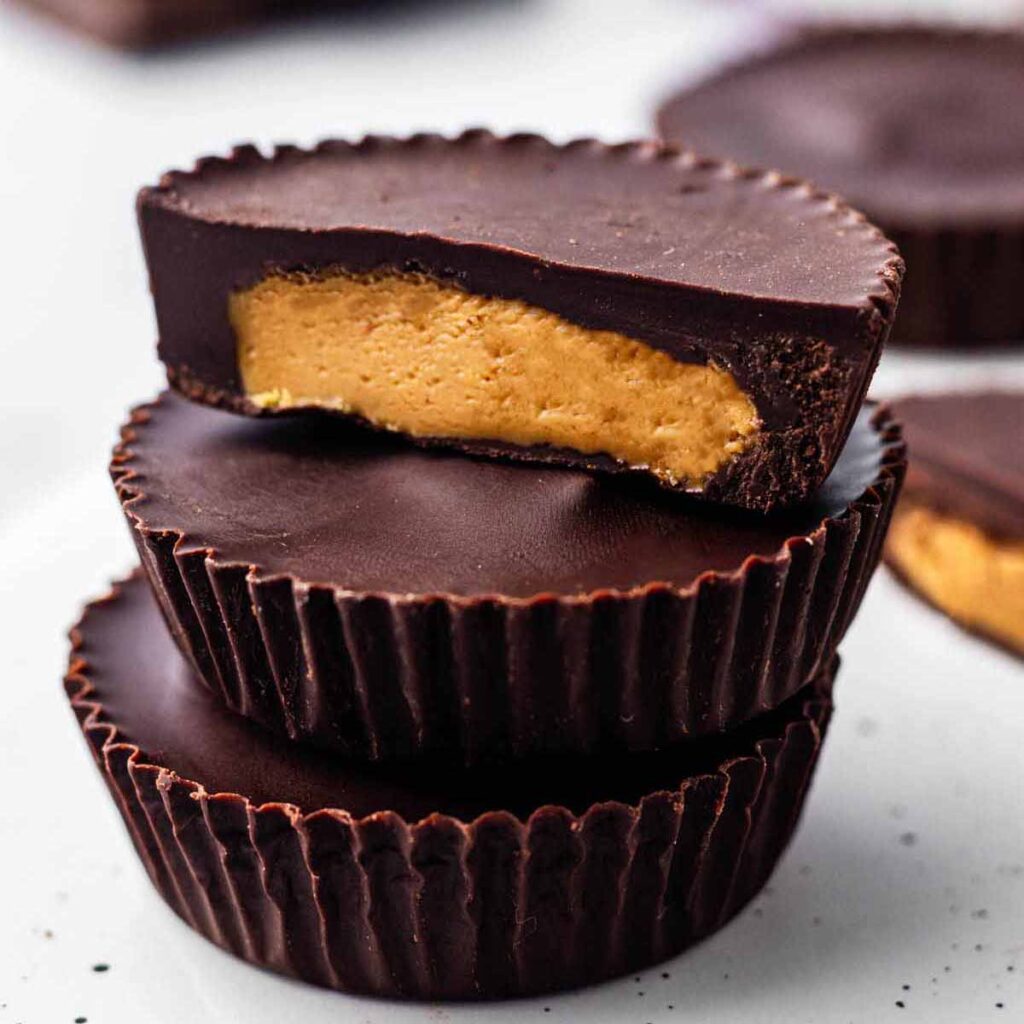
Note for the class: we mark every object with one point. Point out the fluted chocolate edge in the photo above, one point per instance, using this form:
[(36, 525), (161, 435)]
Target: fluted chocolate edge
[(447, 909), (385, 676)]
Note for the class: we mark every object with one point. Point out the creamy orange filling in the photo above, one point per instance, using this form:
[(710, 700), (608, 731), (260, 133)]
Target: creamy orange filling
[(973, 577), (411, 354)]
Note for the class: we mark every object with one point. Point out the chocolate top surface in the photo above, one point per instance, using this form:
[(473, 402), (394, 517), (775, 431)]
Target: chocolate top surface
[(147, 691), (327, 502), (911, 124), (967, 455), (636, 210)]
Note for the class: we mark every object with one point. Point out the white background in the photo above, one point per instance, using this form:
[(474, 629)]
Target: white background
[(909, 866)]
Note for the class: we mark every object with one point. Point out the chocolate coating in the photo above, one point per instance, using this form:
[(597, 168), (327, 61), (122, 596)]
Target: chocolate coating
[(790, 291), (323, 501), (918, 126), (157, 704), (912, 125), (967, 456), (388, 601)]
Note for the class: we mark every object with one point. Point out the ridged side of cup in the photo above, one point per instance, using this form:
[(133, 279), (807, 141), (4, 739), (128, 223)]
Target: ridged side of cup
[(449, 909), (381, 676)]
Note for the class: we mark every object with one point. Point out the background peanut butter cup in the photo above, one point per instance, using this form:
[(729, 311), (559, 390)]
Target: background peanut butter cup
[(957, 537), (346, 588), (428, 883), (918, 126)]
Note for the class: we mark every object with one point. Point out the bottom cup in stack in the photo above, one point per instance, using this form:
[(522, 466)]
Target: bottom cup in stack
[(429, 882)]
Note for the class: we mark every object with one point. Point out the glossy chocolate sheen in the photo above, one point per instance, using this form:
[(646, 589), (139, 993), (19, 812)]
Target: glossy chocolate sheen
[(421, 883), (918, 126), (387, 601), (967, 456), (325, 502), (788, 290)]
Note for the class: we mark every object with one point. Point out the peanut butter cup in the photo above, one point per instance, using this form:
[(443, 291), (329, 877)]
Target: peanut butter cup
[(626, 308), (146, 24), (919, 127), (345, 587), (428, 884), (957, 535)]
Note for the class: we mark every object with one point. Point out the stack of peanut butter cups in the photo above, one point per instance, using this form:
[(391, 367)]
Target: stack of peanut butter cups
[(497, 537)]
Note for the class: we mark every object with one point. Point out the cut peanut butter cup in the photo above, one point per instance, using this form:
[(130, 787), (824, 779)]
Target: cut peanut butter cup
[(958, 532), (428, 883), (342, 586), (628, 308)]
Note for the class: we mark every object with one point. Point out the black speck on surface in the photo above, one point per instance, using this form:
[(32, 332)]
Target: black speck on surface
[(947, 969), (665, 974), (908, 838), (101, 968), (906, 988), (999, 1006), (81, 1020), (978, 947), (979, 915), (900, 1003)]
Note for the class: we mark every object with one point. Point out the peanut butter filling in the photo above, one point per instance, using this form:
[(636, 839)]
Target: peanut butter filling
[(411, 354), (973, 577)]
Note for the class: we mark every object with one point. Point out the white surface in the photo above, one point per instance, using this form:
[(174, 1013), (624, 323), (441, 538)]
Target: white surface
[(927, 740)]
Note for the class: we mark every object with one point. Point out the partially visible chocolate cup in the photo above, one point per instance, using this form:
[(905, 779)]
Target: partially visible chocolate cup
[(429, 883), (957, 537), (348, 589), (153, 24), (917, 125)]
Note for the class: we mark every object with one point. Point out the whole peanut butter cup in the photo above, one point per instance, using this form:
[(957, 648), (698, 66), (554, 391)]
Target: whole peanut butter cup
[(388, 601), (428, 884), (625, 308), (919, 127)]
